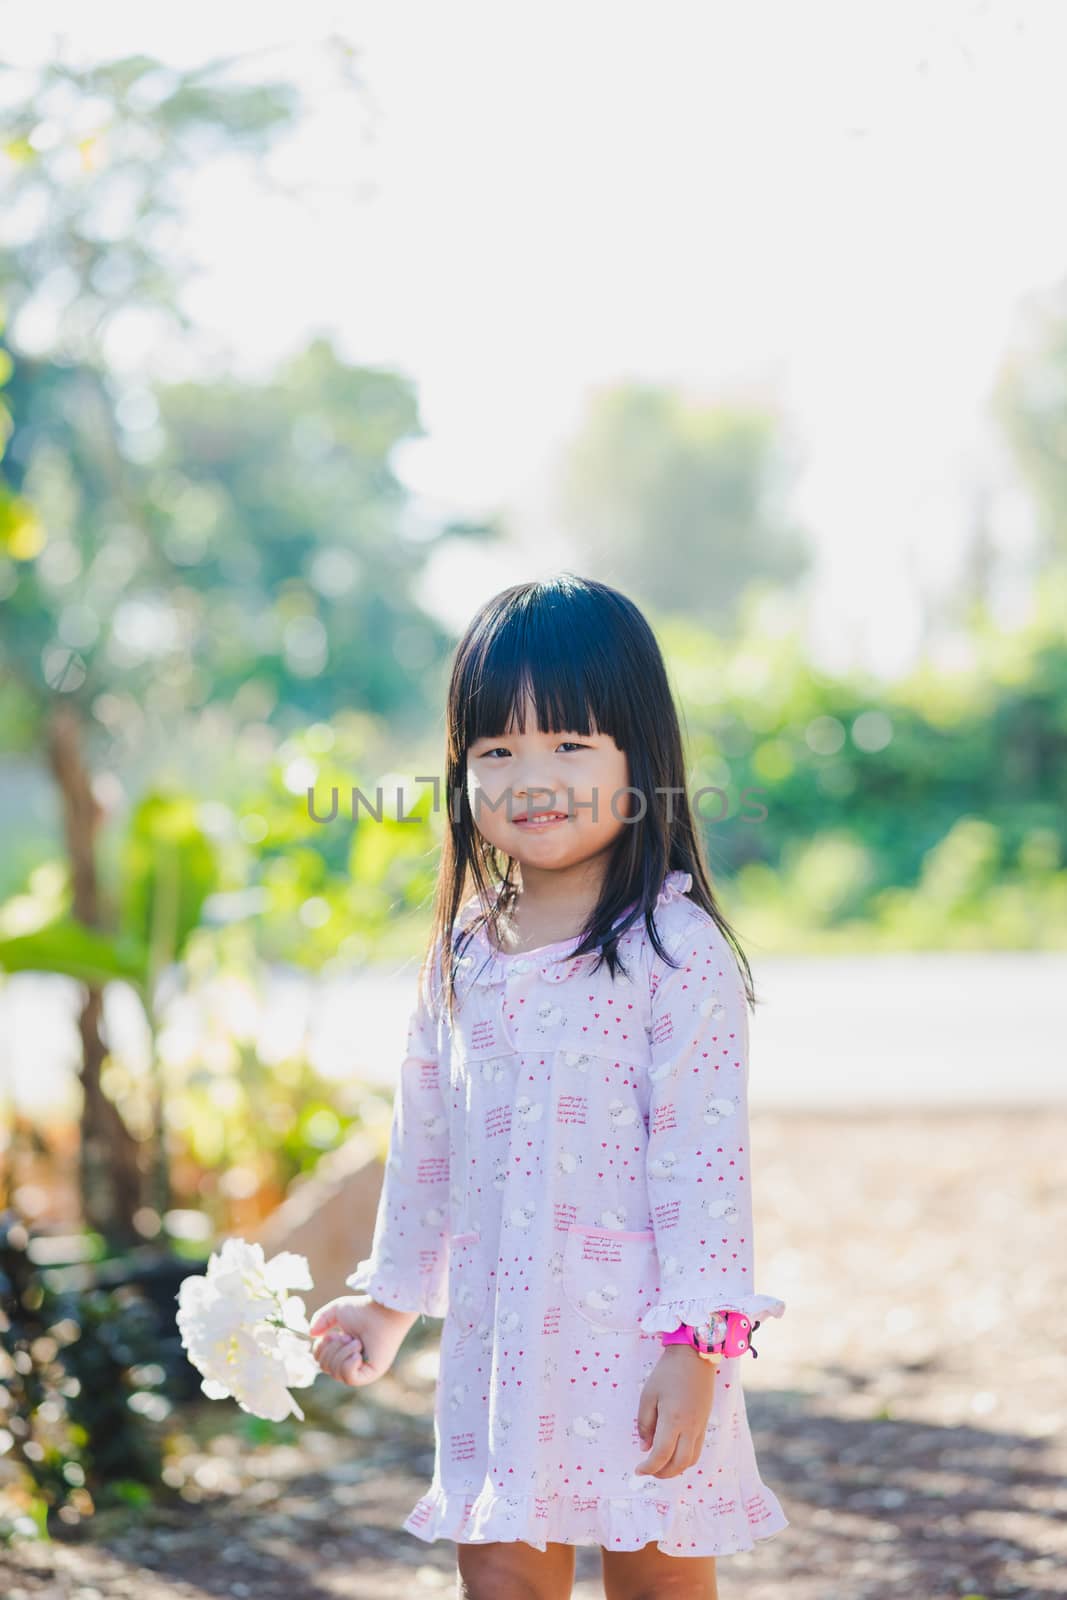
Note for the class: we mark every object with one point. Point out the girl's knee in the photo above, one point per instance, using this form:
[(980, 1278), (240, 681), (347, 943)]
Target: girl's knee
[(517, 1570), (649, 1574)]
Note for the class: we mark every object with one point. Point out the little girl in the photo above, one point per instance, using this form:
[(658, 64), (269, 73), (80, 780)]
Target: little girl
[(569, 1176)]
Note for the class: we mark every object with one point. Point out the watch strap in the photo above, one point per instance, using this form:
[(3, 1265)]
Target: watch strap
[(722, 1333)]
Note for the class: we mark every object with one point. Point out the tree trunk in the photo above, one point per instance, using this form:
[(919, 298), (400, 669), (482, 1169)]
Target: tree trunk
[(110, 1171)]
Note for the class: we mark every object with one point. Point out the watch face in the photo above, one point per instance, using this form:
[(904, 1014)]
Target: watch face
[(712, 1330)]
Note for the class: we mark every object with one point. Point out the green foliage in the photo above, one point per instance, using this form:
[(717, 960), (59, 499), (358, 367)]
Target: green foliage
[(257, 1432), (135, 117), (21, 535), (81, 1388), (248, 1117), (209, 543), (652, 471), (168, 869), (921, 814), (112, 1386), (69, 947)]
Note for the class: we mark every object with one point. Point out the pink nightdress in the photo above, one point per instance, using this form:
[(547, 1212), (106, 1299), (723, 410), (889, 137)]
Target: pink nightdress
[(569, 1175)]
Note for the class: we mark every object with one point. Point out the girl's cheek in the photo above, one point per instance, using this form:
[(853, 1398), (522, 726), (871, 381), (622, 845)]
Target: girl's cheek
[(479, 810)]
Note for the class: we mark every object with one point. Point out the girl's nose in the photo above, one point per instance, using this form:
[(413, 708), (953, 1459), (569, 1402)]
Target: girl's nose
[(541, 796)]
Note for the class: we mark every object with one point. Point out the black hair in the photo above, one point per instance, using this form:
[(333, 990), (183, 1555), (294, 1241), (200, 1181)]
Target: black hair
[(588, 659)]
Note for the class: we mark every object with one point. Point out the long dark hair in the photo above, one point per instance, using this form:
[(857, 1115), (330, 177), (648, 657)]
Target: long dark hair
[(587, 657)]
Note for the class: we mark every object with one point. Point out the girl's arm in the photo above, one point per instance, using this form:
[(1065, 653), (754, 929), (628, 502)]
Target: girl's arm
[(699, 1159), (407, 1269)]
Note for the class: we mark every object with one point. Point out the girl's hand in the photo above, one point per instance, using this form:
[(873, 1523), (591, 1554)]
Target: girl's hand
[(357, 1338), (673, 1412)]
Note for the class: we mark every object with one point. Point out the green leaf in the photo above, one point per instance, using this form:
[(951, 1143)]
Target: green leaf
[(169, 868), (69, 947), (131, 1492)]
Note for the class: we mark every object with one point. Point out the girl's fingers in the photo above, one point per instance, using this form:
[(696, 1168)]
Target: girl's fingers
[(340, 1350), (670, 1455), (328, 1350), (321, 1351), (343, 1351), (681, 1457), (324, 1318), (351, 1361), (661, 1452)]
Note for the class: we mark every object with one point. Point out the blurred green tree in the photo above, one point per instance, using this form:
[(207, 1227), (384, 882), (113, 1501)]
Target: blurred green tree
[(163, 550), (680, 503), (93, 157)]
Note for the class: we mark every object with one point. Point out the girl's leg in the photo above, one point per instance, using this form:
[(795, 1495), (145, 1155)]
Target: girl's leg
[(648, 1574), (513, 1570)]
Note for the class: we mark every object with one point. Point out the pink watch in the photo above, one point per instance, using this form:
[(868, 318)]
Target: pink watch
[(722, 1333)]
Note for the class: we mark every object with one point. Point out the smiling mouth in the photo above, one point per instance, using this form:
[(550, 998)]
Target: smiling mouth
[(539, 819)]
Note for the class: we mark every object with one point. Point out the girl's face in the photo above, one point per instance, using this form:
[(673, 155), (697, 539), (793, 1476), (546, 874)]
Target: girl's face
[(576, 782)]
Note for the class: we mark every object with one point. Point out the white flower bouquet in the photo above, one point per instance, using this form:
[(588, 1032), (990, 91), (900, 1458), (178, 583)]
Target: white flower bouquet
[(245, 1333)]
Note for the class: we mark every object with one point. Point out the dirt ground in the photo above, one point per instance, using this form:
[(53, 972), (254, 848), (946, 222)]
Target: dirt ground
[(909, 1410)]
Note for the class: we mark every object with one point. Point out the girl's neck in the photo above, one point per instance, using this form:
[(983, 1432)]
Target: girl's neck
[(547, 912), (520, 931)]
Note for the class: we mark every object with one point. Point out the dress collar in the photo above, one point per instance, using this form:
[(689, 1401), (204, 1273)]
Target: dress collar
[(482, 963)]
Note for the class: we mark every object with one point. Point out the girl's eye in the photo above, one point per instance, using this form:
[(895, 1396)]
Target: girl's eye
[(486, 753)]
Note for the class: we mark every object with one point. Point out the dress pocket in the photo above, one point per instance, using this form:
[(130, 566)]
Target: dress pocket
[(610, 1276), (468, 1284)]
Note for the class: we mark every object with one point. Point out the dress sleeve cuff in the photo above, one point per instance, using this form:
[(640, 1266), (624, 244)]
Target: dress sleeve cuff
[(666, 1316), (424, 1298)]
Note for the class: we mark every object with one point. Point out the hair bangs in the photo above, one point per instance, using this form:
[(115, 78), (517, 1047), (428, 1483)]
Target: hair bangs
[(542, 654)]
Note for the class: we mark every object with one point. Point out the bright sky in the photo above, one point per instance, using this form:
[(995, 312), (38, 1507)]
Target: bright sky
[(836, 207)]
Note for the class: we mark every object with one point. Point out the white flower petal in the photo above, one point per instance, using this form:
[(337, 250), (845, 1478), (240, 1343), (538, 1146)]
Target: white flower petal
[(295, 1314), (287, 1270)]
